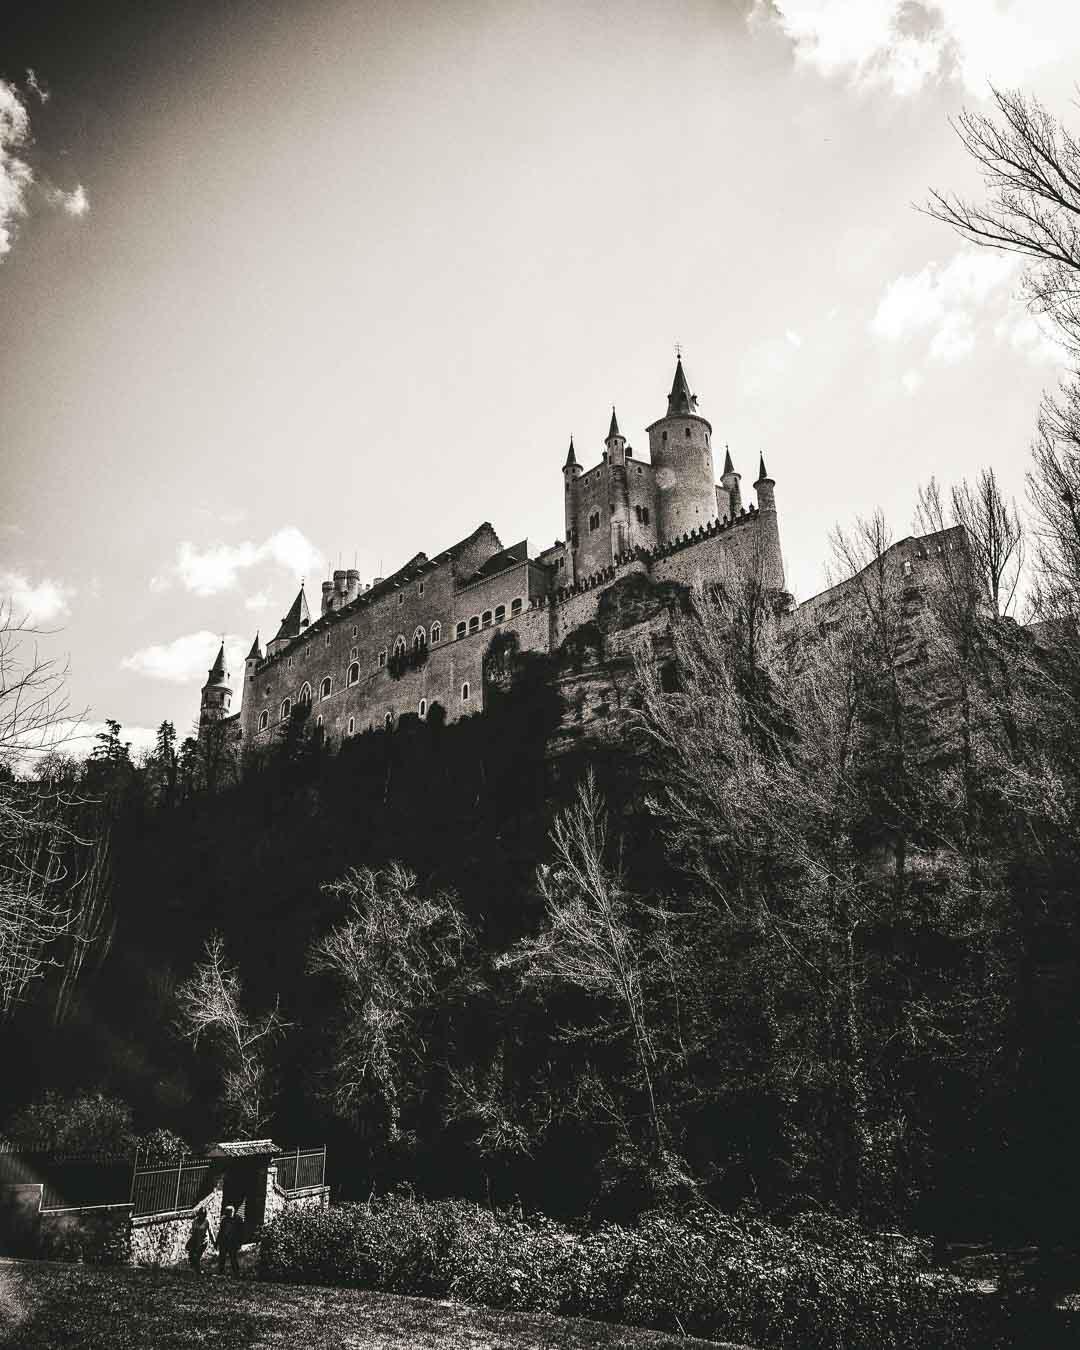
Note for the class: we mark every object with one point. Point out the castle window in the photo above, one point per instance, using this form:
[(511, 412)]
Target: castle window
[(687, 433), (419, 639), (305, 694), (421, 708), (400, 645), (355, 630), (327, 643), (382, 658), (420, 589), (500, 613), (318, 721), (639, 468), (352, 725), (515, 607), (905, 568), (637, 512), (465, 692), (286, 708), (436, 633), (474, 624), (401, 598), (288, 664), (487, 618), (611, 509), (663, 438), (264, 719), (459, 631), (353, 673), (644, 515), (388, 720), (353, 653), (327, 686), (268, 691)]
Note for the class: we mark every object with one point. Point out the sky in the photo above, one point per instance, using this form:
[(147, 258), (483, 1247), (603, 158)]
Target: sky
[(292, 286)]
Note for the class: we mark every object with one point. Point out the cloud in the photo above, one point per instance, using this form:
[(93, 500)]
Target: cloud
[(186, 659), (32, 603), (260, 600), (1034, 337), (901, 45), (75, 202), (793, 337), (911, 381), (76, 739), (215, 569), (943, 302), (15, 174)]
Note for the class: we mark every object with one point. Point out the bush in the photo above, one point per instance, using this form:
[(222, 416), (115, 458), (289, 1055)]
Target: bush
[(820, 1284)]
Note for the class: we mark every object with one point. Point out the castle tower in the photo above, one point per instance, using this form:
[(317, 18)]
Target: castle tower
[(292, 625), (730, 482), (216, 694), (253, 658), (619, 488), (571, 474), (769, 528), (680, 446)]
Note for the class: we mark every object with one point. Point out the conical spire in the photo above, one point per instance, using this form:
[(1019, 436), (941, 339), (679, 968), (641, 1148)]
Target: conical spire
[(762, 471), (680, 400), (217, 674), (256, 651), (613, 430), (297, 619), (571, 458), (728, 466)]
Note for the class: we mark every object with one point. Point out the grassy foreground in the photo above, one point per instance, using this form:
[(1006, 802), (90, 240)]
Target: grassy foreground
[(59, 1307)]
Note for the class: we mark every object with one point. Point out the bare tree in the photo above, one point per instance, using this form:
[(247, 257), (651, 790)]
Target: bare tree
[(388, 959), (1031, 167), (589, 941), (211, 1007)]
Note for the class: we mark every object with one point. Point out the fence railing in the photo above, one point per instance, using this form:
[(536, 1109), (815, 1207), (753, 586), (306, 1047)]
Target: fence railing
[(180, 1185), (300, 1168)]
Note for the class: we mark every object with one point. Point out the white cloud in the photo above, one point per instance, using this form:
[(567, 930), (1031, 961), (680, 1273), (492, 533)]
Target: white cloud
[(32, 603), (944, 302), (15, 174), (1033, 336), (186, 659), (215, 569), (75, 202), (901, 45), (911, 381), (260, 600), (793, 337)]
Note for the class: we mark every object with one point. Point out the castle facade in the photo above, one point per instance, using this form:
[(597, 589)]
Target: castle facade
[(409, 641)]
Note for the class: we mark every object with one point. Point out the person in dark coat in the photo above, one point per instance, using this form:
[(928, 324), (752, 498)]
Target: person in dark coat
[(230, 1236), (199, 1239)]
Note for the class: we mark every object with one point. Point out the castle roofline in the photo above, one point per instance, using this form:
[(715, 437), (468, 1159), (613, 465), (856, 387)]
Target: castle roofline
[(682, 417)]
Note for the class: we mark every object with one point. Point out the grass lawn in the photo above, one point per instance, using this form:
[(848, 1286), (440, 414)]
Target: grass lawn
[(49, 1306)]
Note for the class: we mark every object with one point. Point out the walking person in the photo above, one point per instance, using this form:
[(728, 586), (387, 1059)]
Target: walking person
[(198, 1240), (229, 1238)]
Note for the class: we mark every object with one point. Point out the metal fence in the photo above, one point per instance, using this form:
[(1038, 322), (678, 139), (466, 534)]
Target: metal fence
[(157, 1190), (300, 1168)]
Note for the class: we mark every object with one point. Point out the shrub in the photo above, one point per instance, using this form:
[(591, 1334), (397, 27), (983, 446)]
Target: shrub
[(820, 1284)]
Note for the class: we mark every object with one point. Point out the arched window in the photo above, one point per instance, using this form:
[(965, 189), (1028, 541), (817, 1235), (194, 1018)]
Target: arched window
[(420, 589), (500, 613), (353, 673), (465, 692), (400, 645), (474, 624), (687, 433), (382, 658), (264, 719), (421, 708), (486, 618), (286, 708), (327, 687), (353, 652), (515, 607), (305, 694), (388, 720), (459, 631), (318, 721), (436, 633), (419, 638), (352, 725)]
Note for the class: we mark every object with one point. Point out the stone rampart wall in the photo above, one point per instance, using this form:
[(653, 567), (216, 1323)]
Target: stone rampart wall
[(160, 1239)]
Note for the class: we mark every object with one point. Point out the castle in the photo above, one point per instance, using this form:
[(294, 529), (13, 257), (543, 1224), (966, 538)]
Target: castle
[(415, 639)]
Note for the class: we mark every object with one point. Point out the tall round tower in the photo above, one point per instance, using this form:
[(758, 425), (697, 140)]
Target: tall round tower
[(216, 693), (571, 474), (680, 446)]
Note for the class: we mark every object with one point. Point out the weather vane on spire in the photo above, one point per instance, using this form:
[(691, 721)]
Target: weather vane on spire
[(678, 349)]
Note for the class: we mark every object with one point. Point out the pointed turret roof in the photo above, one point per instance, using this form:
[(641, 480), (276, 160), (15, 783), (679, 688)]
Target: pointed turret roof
[(613, 430), (256, 651), (680, 400), (217, 674), (571, 458), (762, 471), (297, 619), (728, 466)]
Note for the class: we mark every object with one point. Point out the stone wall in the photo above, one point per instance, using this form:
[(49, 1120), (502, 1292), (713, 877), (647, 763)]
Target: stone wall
[(278, 1200), (159, 1239)]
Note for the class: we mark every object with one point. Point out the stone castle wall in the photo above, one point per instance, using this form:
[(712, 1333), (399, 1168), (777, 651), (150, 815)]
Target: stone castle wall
[(680, 448)]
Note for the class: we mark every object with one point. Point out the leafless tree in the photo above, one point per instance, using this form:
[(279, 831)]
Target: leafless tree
[(211, 1007), (589, 941), (1031, 167), (387, 958)]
